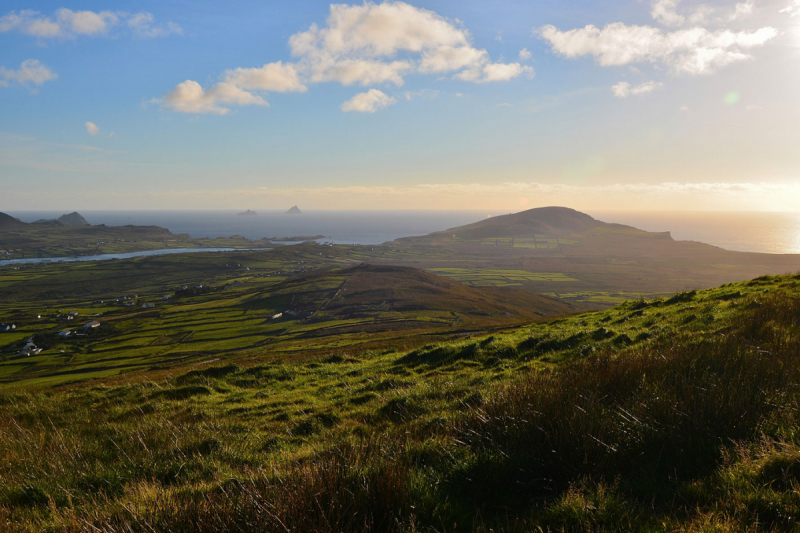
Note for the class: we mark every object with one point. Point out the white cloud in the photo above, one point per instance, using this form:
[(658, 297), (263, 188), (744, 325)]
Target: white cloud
[(665, 12), (701, 14), (624, 89), (86, 22), (275, 77), (368, 44), (360, 44), (524, 54), (494, 72), (143, 26), (190, 97), (236, 88), (66, 23), (368, 102), (793, 9), (360, 71), (621, 89), (94, 130), (743, 10), (690, 51), (30, 71)]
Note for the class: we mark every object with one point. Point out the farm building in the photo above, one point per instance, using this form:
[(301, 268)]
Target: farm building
[(91, 325), (30, 349)]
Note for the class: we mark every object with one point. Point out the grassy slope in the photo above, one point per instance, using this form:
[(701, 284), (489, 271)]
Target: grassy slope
[(676, 414)]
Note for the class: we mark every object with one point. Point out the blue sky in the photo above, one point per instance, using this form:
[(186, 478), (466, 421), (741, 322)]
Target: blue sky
[(432, 105)]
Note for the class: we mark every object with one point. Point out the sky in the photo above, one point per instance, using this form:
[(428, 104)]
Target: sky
[(459, 104)]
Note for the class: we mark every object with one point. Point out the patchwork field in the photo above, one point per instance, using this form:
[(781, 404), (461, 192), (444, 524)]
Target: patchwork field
[(171, 310)]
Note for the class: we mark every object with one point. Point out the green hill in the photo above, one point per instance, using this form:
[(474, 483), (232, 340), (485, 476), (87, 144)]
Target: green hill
[(550, 221), (564, 253), (674, 414)]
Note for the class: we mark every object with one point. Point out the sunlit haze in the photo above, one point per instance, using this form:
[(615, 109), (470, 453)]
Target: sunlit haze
[(446, 105)]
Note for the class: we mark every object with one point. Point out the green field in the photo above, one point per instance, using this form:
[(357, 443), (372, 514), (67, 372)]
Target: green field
[(498, 278)]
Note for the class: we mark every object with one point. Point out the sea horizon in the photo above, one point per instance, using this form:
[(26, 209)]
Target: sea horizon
[(750, 231)]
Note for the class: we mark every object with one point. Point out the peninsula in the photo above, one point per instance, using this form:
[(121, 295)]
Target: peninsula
[(71, 236)]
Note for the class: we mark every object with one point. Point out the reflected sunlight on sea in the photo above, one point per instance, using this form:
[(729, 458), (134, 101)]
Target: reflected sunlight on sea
[(777, 233)]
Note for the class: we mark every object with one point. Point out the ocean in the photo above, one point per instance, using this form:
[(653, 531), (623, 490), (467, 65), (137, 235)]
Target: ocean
[(775, 233), (743, 231)]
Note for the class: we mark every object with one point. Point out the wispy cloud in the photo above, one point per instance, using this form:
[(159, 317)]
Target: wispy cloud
[(793, 9), (624, 89), (94, 130), (689, 51), (30, 72), (68, 24), (368, 102)]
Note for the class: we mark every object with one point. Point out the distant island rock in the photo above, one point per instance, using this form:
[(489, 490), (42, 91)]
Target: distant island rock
[(247, 213), (70, 219), (294, 211)]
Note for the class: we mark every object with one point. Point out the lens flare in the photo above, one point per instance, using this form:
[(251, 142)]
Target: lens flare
[(732, 98)]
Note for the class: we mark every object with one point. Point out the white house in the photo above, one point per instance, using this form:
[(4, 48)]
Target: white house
[(91, 325), (30, 350)]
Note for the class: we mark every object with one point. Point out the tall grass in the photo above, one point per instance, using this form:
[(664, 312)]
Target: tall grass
[(651, 418)]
